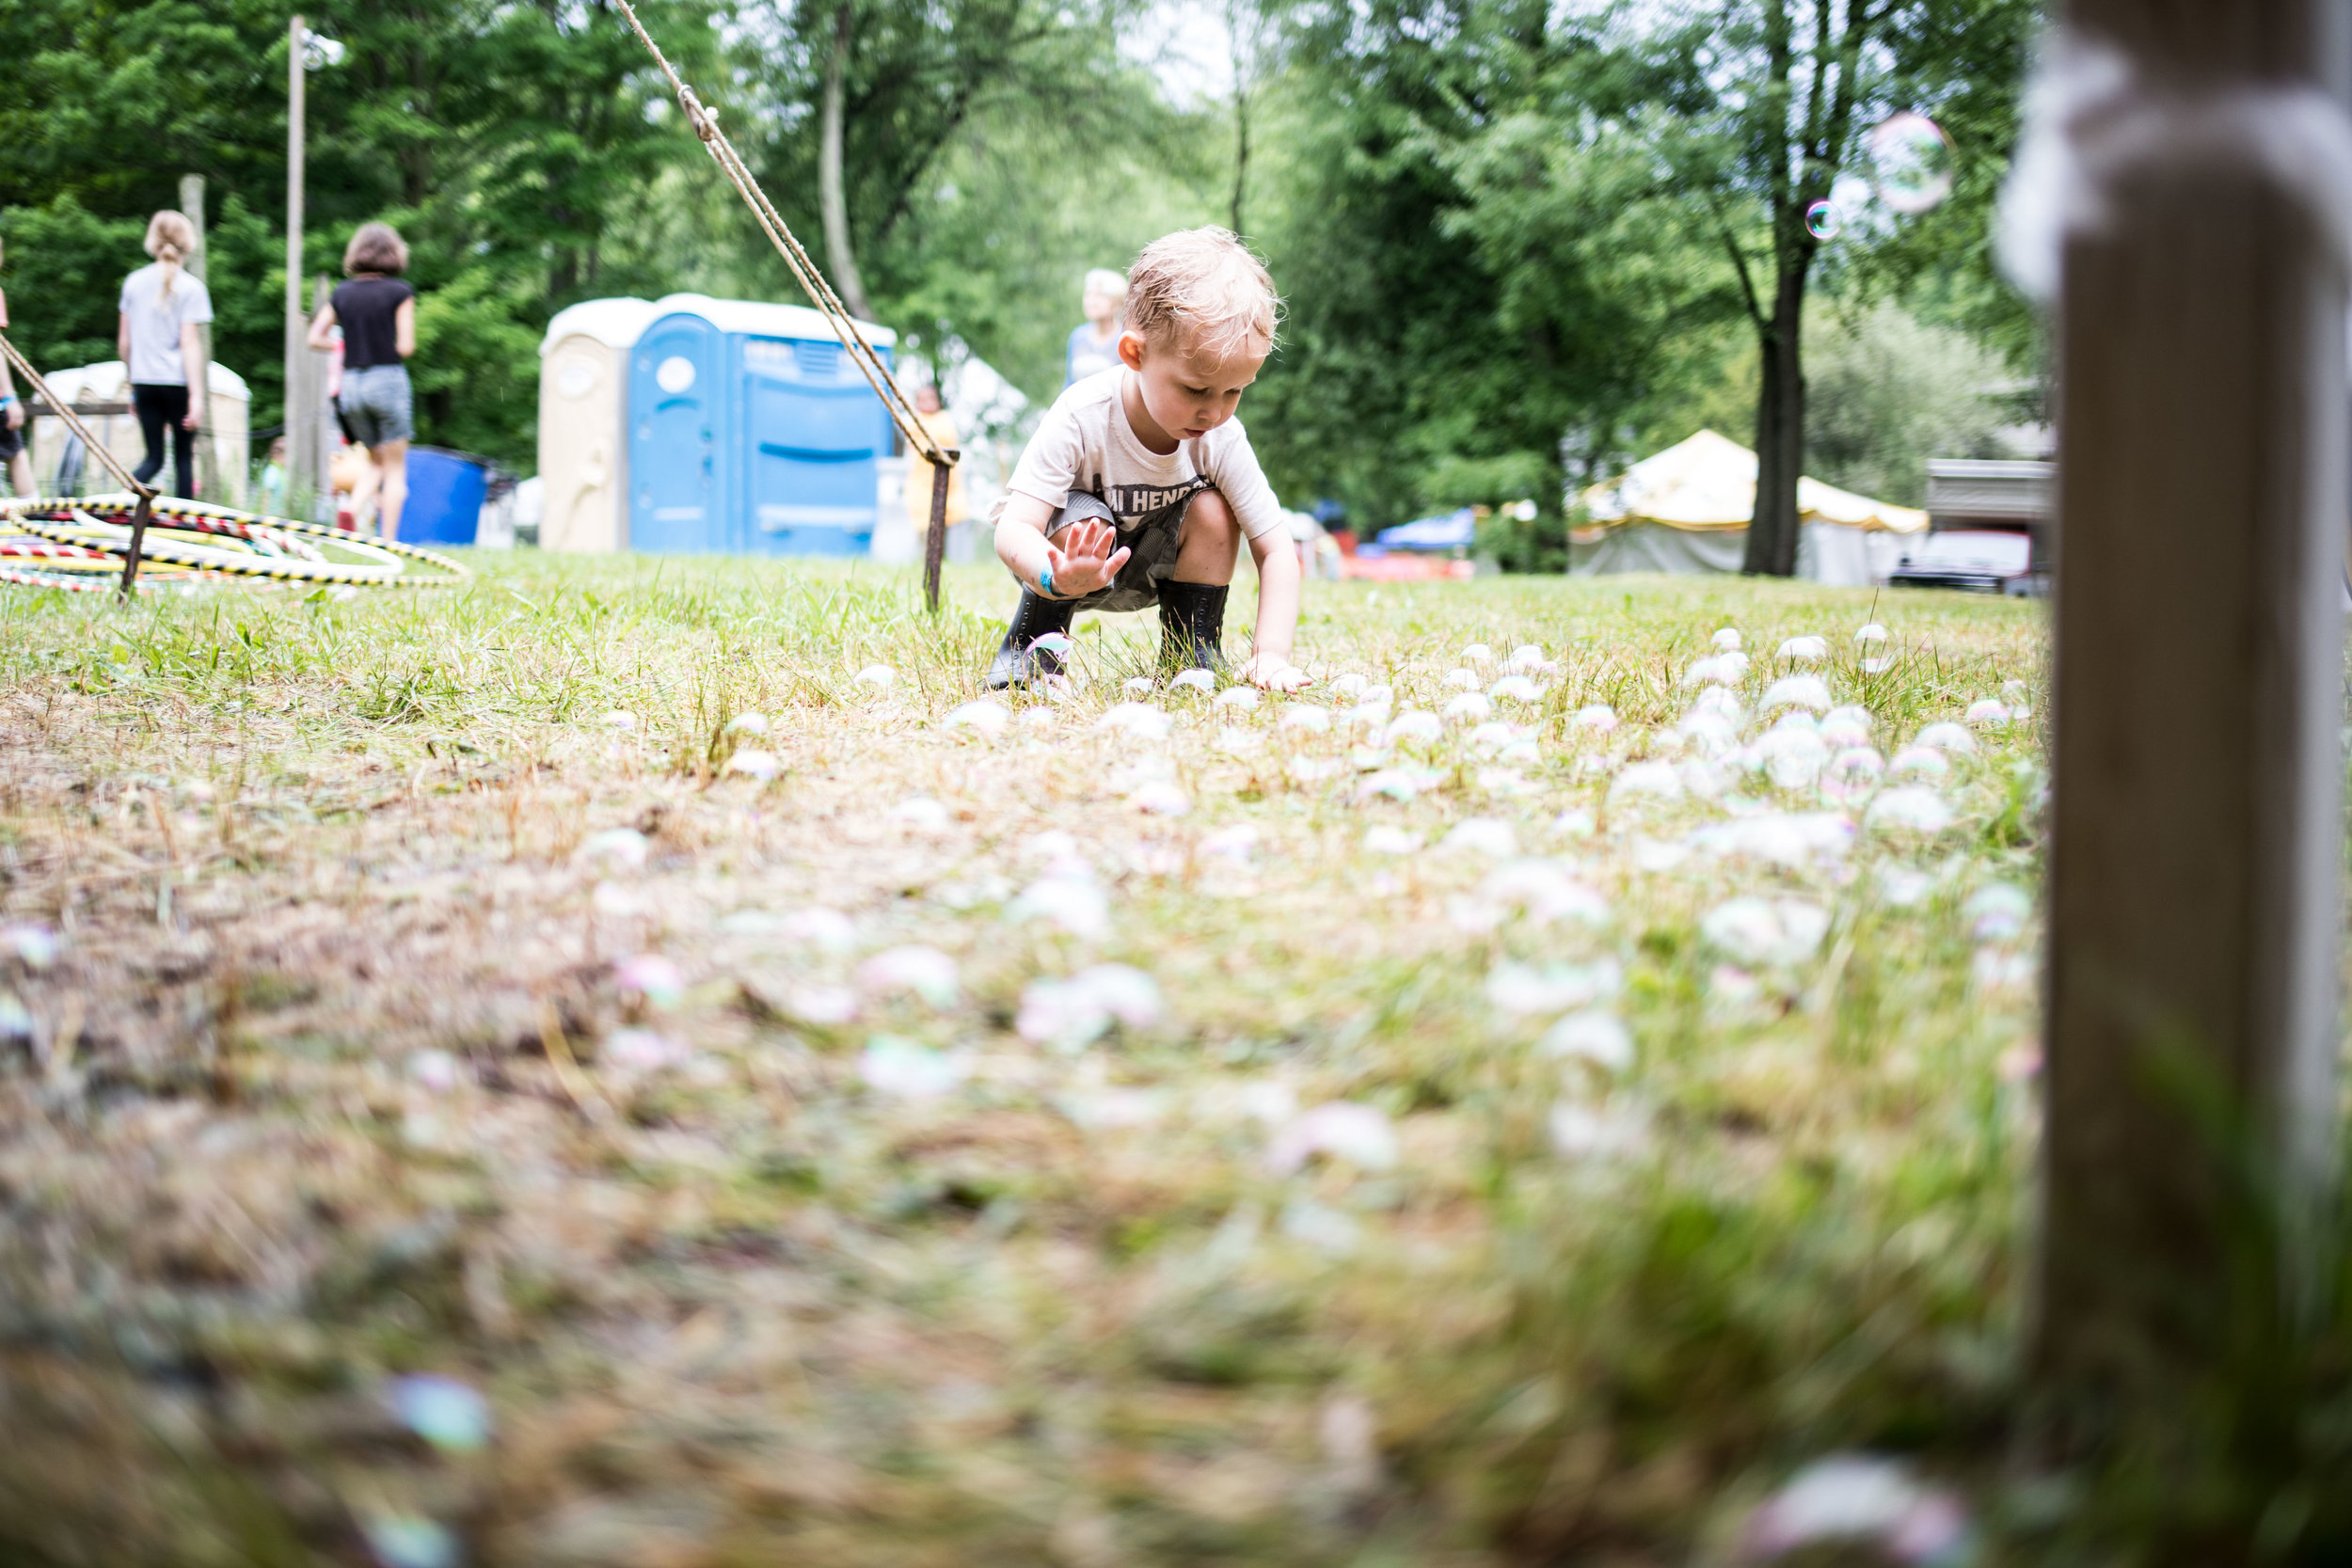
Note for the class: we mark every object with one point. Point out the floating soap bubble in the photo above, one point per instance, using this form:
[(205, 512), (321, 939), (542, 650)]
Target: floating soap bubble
[(1912, 161), (1821, 220)]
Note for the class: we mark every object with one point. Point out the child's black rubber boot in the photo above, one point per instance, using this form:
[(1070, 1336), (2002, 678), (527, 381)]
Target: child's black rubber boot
[(1192, 625), (1019, 661)]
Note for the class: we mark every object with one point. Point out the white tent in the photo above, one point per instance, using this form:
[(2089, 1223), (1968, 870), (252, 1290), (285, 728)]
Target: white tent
[(1687, 509)]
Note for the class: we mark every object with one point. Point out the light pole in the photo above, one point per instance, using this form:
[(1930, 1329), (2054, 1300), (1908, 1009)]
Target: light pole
[(306, 52)]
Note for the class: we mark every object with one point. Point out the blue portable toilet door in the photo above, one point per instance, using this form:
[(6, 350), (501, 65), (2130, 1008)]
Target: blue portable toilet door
[(812, 430), (678, 497)]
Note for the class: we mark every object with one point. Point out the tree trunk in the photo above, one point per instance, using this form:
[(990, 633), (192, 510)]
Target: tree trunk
[(830, 195), (1779, 429)]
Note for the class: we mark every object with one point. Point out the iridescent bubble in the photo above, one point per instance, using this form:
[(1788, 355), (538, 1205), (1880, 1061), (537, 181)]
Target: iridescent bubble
[(1821, 220), (1912, 161)]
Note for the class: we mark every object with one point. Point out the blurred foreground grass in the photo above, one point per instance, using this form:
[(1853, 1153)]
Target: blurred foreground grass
[(409, 986)]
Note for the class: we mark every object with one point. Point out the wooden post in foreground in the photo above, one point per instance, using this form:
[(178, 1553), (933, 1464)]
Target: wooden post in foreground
[(2195, 862), (936, 537)]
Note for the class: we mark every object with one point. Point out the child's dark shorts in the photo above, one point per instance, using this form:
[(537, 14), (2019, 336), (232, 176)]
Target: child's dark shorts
[(1152, 540)]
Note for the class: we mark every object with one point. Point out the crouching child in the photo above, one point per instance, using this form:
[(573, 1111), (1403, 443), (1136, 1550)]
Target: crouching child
[(1139, 486)]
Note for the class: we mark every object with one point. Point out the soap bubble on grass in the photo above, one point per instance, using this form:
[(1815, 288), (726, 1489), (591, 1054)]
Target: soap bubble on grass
[(1516, 688), (1416, 724), (1576, 822), (1726, 639), (1193, 680), (1139, 719), (824, 1007), (1351, 686), (1493, 737), (1160, 797), (1397, 783), (1529, 660), (640, 1051), (448, 1414), (35, 946), (752, 764), (618, 849), (1478, 653), (1998, 912), (1869, 634), (1525, 990), (1717, 669), (1846, 726), (1988, 714), (1339, 1129), (984, 716), (818, 927), (406, 1540), (1766, 931), (435, 1070), (1793, 758), (1904, 886), (1878, 664), (748, 724), (1858, 1500), (1653, 781), (1547, 891), (907, 1069), (1068, 898), (1235, 742), (656, 978), (1466, 680), (881, 678), (1308, 770), (1793, 839), (1238, 842), (921, 813), (1924, 762), (1910, 808), (1853, 773), (1593, 1036), (1583, 1133), (1242, 697), (1385, 840), (924, 971), (1072, 1014), (1139, 685), (1805, 691), (1595, 717), (1481, 836), (1304, 715), (620, 718), (1805, 650), (1470, 707), (1951, 738), (1038, 717)]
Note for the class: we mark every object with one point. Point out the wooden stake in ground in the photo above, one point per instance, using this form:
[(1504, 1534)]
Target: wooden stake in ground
[(2196, 865), (936, 537)]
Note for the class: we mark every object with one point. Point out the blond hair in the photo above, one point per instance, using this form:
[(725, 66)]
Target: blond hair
[(170, 239), (377, 248), (1107, 283), (1202, 287)]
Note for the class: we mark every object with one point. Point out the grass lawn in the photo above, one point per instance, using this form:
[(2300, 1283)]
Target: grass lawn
[(1504, 1138)]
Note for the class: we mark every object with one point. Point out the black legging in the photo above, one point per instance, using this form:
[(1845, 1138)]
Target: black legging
[(159, 406)]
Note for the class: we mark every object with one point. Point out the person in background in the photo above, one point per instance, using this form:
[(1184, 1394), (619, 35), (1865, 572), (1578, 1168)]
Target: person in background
[(377, 311), (1094, 342), (941, 426), (12, 436), (162, 353), (273, 481)]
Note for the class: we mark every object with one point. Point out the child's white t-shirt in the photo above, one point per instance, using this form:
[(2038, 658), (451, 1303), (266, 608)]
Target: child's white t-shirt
[(1086, 443)]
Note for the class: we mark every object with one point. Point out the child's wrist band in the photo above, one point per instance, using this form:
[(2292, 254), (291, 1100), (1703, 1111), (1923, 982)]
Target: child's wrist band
[(1045, 581)]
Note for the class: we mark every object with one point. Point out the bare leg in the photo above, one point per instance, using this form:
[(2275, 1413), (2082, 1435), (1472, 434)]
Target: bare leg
[(391, 463), (363, 495), (1209, 543)]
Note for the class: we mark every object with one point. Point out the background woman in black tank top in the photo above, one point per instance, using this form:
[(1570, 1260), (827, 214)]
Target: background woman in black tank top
[(377, 311)]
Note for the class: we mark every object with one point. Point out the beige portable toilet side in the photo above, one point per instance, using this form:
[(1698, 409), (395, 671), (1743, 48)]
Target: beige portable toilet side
[(584, 448)]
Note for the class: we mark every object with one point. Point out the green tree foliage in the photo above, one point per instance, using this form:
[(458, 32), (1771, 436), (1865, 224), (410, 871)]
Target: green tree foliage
[(505, 140)]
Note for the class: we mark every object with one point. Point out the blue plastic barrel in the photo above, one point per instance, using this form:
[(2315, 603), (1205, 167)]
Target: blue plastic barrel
[(445, 493)]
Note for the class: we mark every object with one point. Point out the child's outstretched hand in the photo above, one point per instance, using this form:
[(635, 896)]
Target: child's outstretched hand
[(1275, 673), (1082, 559)]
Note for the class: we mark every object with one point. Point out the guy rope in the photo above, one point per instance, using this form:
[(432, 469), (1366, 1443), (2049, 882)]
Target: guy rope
[(706, 123), (146, 504)]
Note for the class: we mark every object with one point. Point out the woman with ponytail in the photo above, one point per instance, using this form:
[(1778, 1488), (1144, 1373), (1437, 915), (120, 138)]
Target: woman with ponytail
[(162, 353)]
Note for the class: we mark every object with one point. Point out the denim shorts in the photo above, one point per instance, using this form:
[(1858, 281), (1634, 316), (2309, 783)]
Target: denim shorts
[(377, 405)]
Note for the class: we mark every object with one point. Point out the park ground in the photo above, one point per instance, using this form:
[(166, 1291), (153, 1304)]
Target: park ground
[(1508, 1139)]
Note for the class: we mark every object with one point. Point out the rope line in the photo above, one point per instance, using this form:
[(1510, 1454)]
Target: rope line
[(706, 123)]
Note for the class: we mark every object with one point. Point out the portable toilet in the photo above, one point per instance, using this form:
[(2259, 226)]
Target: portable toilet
[(752, 430), (583, 398)]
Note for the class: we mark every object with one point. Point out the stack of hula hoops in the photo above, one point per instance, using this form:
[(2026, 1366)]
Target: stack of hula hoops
[(79, 542)]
